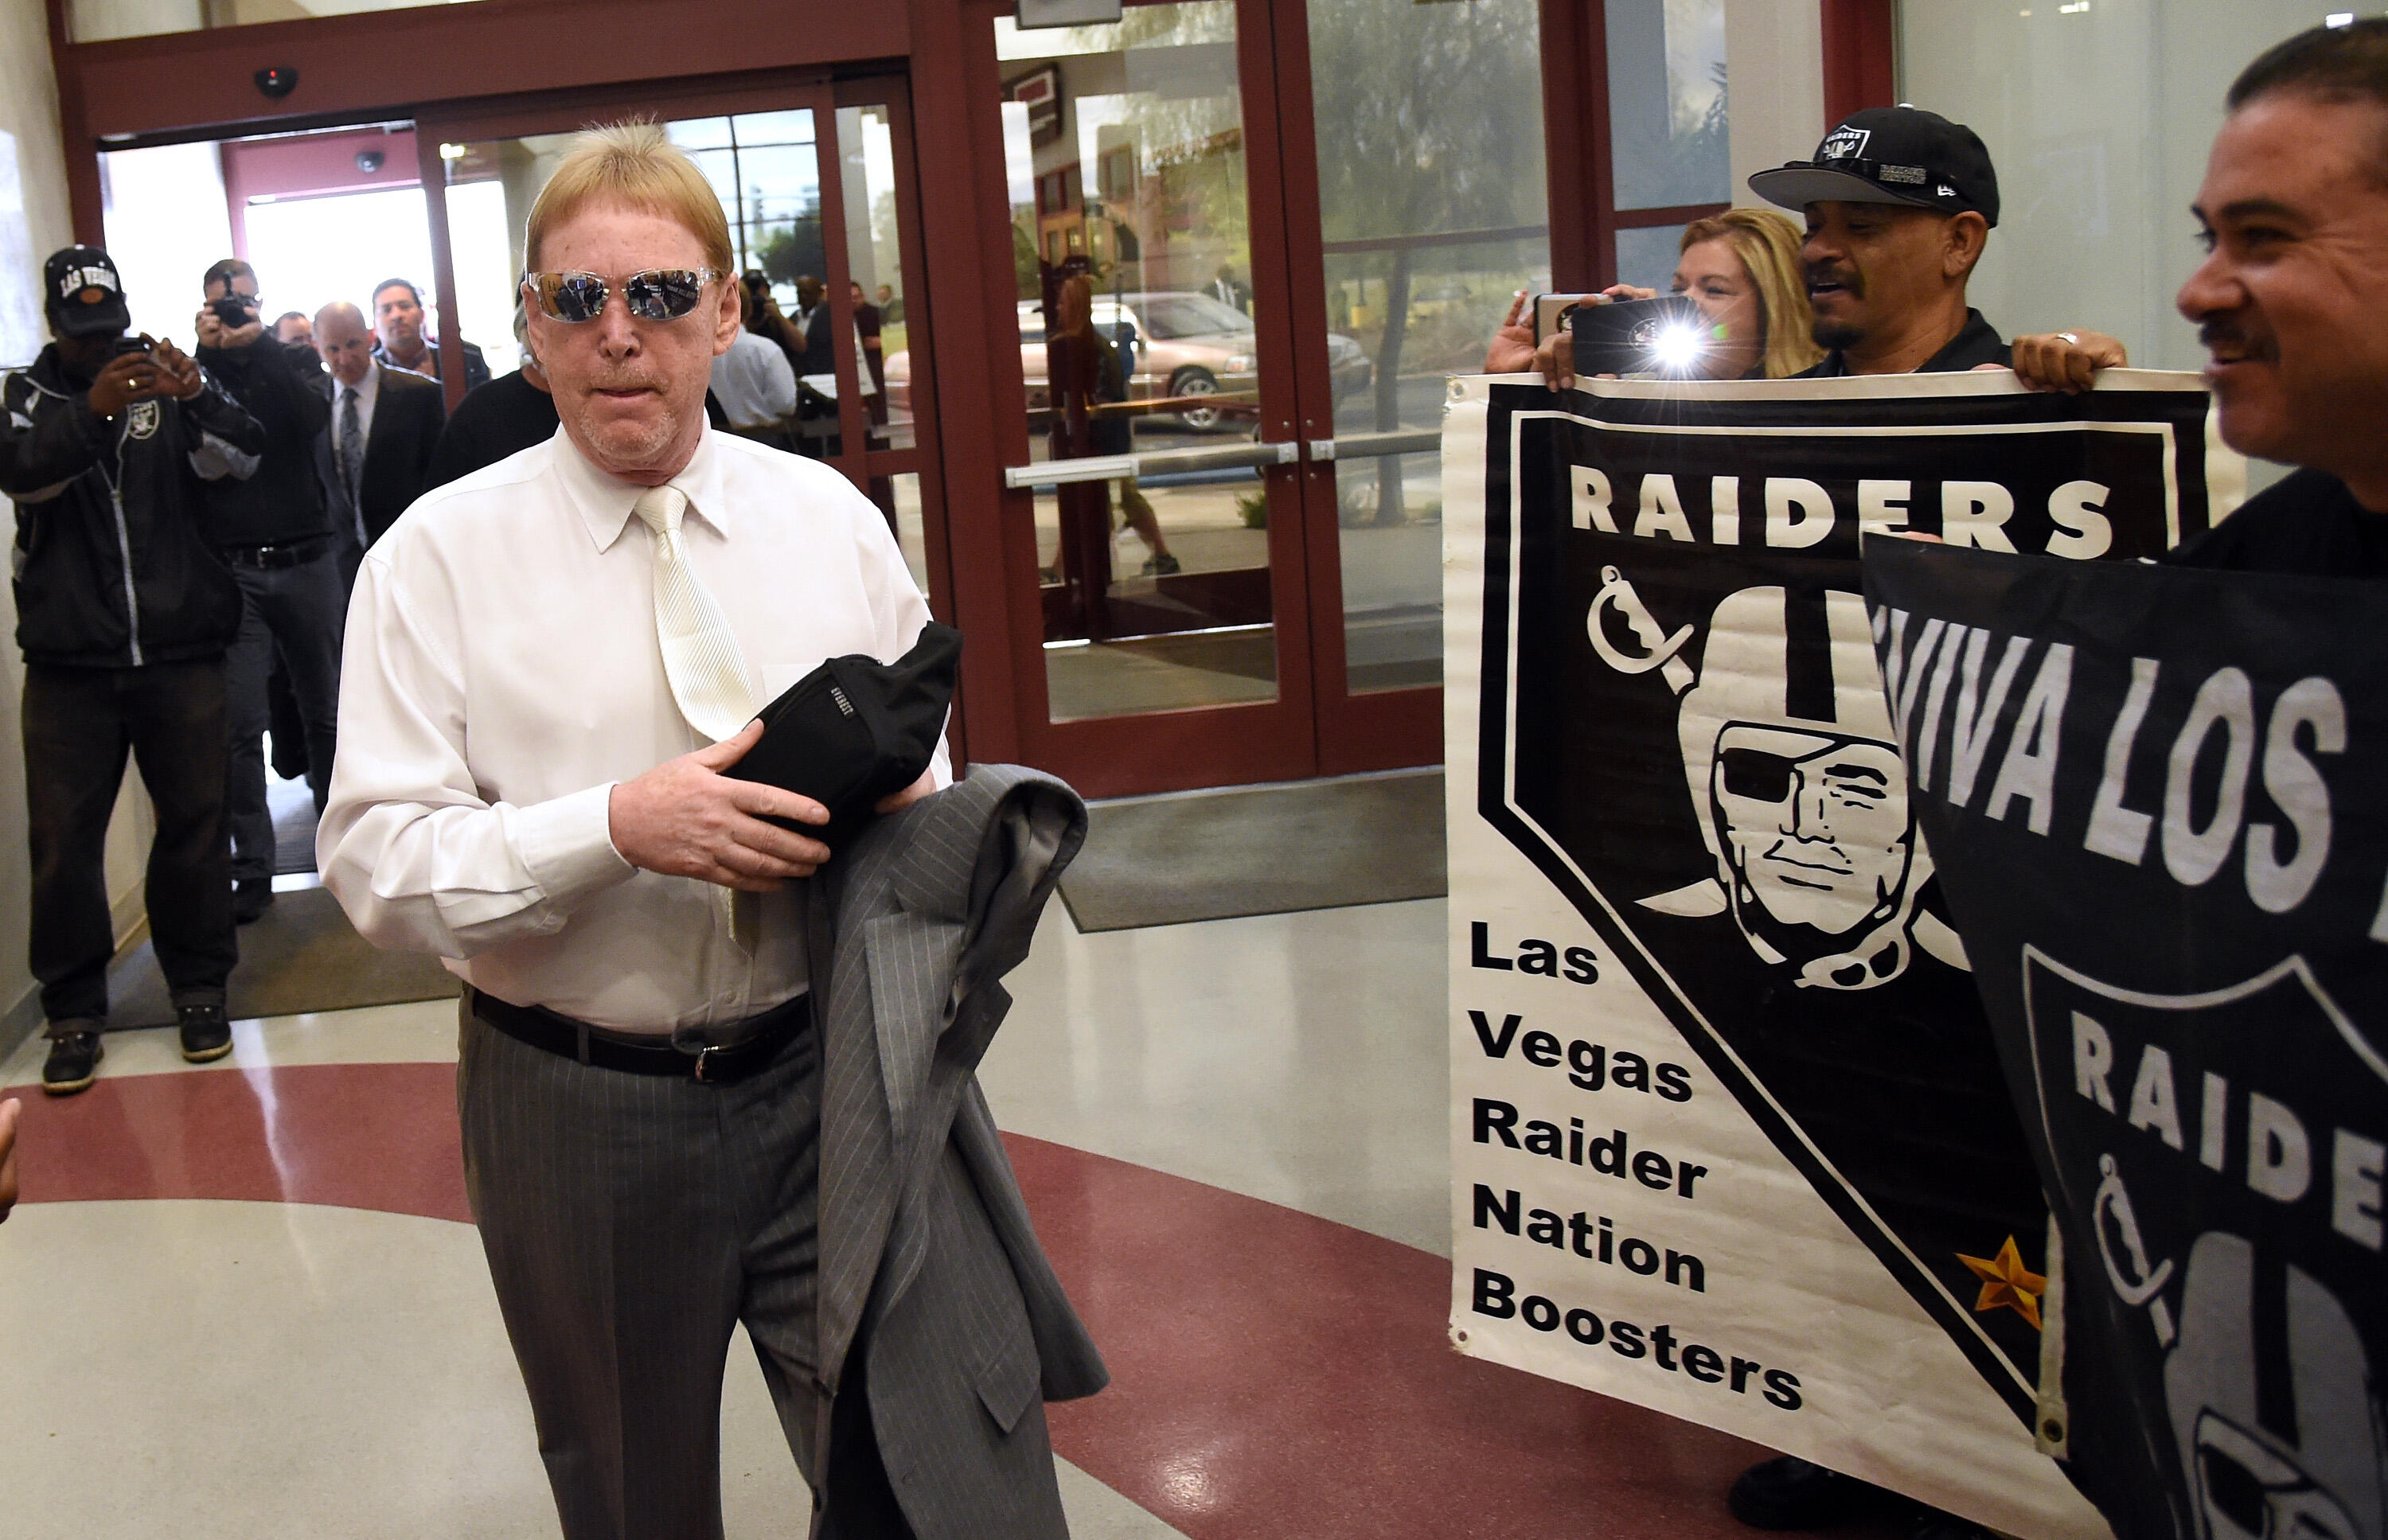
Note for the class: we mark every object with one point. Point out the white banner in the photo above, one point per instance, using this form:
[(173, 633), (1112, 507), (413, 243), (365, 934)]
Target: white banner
[(1728, 1136)]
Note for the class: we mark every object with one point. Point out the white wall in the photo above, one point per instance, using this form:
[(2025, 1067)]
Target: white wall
[(34, 223), (2098, 118), (1775, 53)]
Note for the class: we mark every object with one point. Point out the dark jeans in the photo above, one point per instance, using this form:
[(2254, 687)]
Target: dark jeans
[(299, 612), (79, 723)]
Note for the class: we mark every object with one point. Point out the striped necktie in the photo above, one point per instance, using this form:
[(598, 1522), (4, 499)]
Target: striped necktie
[(352, 451), (701, 657)]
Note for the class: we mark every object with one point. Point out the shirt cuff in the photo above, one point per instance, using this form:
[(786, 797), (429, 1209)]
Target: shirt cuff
[(567, 845)]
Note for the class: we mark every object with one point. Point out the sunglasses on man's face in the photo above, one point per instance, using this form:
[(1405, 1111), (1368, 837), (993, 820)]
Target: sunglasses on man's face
[(658, 294)]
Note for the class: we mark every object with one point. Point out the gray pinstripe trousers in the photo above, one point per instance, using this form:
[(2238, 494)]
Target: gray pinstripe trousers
[(630, 1222)]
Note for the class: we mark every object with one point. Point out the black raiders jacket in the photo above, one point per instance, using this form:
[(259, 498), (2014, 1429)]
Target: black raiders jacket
[(109, 568)]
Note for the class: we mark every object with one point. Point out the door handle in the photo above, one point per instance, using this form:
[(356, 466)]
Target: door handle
[(1227, 457), (1375, 446)]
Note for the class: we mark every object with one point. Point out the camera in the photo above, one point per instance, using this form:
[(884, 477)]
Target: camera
[(234, 309), (1666, 338)]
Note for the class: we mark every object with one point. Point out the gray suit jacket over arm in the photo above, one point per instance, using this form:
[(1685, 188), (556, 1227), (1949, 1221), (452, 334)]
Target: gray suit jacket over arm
[(926, 1248)]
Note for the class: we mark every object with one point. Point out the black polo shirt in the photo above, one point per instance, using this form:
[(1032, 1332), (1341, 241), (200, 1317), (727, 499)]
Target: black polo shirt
[(1976, 345), (2310, 525)]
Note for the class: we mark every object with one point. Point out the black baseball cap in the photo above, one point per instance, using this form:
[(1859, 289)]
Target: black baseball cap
[(1902, 154), (82, 294)]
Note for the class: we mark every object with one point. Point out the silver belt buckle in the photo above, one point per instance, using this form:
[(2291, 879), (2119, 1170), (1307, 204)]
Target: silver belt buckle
[(704, 1057)]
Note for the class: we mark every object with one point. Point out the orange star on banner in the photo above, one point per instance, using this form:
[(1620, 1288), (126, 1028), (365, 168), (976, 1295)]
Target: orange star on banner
[(2007, 1283)]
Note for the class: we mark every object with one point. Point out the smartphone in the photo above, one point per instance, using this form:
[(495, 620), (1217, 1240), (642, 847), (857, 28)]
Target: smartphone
[(131, 345), (234, 309), (1550, 310), (1665, 336)]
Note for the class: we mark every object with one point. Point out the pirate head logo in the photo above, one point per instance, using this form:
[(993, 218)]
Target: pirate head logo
[(1794, 780), (142, 420), (2269, 1396)]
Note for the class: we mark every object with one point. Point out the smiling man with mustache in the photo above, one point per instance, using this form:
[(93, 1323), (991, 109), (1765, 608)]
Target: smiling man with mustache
[(2292, 303), (1899, 204)]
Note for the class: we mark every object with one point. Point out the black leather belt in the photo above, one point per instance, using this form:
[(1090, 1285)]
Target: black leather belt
[(755, 1040), (289, 553)]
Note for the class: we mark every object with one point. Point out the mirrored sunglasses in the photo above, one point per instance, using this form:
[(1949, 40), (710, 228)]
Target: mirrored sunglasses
[(659, 294)]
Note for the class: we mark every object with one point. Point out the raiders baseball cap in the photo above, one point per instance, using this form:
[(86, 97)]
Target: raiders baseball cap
[(82, 295), (1891, 155)]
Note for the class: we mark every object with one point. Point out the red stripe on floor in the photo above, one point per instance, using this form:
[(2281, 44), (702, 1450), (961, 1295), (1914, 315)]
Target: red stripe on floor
[(379, 1136), (1274, 1374), (1277, 1374)]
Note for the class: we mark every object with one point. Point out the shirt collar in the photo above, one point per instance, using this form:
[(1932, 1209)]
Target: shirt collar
[(365, 390), (607, 504), (1975, 344)]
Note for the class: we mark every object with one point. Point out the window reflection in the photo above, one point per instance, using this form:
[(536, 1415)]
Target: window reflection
[(1432, 200)]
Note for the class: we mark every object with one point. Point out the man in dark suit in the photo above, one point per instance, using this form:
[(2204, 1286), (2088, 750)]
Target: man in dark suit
[(375, 454)]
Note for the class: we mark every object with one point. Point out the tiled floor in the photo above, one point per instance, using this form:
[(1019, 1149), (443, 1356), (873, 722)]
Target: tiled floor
[(244, 1299)]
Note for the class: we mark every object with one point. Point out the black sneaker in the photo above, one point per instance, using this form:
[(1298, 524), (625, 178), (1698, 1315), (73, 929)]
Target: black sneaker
[(74, 1062), (1791, 1494), (251, 897), (1163, 566), (206, 1034)]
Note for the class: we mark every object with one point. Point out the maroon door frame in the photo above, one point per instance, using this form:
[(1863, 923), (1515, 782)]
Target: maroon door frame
[(492, 56)]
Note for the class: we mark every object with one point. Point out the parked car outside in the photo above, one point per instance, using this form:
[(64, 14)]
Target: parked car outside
[(1187, 344)]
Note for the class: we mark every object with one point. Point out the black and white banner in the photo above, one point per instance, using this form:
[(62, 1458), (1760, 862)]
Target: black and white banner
[(1730, 1135), (2158, 801)]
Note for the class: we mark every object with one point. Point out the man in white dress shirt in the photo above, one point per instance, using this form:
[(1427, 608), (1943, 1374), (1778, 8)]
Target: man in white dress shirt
[(554, 665)]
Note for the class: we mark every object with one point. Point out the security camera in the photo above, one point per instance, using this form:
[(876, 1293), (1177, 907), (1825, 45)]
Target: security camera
[(277, 82), (369, 162)]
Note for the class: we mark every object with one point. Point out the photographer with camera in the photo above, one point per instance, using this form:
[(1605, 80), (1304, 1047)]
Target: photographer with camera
[(124, 615), (266, 518), (1740, 269)]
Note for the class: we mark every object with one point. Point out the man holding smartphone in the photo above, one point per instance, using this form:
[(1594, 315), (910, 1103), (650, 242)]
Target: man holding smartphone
[(265, 517), (124, 615)]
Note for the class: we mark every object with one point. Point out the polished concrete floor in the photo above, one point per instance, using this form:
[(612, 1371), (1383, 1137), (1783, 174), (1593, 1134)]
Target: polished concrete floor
[(246, 1299)]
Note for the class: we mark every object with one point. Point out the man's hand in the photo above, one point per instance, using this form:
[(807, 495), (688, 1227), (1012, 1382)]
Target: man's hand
[(127, 378), (2068, 362), (685, 818), (178, 372), (8, 1111), (896, 801), (1512, 349), (1555, 359)]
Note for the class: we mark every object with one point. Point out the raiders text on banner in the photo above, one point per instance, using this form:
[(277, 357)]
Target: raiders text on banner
[(1730, 1137)]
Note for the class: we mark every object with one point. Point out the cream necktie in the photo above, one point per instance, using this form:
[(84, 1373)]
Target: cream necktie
[(701, 661), (701, 657)]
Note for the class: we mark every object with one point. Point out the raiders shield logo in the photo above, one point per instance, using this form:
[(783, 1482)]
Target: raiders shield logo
[(2223, 1223), (1843, 143), (142, 420)]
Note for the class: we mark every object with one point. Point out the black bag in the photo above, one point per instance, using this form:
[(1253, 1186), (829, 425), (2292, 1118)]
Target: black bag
[(855, 730)]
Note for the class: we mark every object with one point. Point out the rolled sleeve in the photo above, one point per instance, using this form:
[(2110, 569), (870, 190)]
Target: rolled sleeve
[(567, 845)]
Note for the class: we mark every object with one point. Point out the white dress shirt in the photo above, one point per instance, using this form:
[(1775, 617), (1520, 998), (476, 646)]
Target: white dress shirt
[(504, 675), (754, 382)]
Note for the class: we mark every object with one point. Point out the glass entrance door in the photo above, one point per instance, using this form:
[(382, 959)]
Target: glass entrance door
[(1155, 402)]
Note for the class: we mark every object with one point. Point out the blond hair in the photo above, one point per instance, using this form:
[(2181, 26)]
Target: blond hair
[(1767, 244), (636, 165)]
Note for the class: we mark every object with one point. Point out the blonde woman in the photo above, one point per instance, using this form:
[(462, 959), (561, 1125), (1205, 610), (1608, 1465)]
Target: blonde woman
[(1742, 269)]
